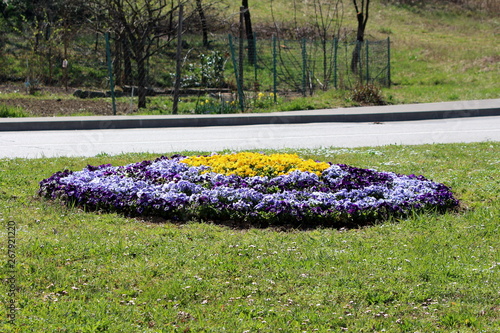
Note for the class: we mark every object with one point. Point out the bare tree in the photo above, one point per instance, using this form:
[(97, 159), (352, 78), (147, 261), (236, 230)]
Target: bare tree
[(325, 24), (328, 21), (362, 10), (140, 25)]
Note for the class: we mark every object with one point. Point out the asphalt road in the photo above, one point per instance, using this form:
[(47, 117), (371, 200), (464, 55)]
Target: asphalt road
[(34, 144)]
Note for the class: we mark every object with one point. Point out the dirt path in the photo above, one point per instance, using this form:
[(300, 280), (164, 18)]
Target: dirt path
[(56, 101)]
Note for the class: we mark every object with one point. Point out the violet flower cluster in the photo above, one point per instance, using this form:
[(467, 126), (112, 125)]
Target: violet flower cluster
[(166, 187)]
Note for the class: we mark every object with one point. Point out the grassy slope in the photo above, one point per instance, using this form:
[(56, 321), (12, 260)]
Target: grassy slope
[(439, 57), (87, 272), (442, 54)]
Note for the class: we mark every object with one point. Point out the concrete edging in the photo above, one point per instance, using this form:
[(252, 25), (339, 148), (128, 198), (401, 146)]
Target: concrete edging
[(407, 112)]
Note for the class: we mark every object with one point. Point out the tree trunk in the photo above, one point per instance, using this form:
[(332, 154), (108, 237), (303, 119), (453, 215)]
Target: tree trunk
[(356, 57), (171, 20), (127, 63), (360, 35), (362, 18), (249, 33), (203, 19)]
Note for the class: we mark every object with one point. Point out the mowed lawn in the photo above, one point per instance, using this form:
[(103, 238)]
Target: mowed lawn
[(79, 271)]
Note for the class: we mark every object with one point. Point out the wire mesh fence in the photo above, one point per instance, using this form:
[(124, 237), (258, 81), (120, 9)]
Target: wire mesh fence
[(53, 60), (308, 65), (275, 65)]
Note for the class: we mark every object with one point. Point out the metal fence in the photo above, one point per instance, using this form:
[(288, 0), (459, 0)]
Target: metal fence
[(305, 66), (37, 61), (277, 65)]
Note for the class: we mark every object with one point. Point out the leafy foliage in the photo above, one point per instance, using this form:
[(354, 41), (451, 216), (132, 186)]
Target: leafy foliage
[(212, 69)]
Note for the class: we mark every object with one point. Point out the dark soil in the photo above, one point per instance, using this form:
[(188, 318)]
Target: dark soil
[(56, 101)]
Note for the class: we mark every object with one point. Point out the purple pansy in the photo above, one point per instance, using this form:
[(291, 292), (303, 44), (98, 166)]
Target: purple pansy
[(166, 187)]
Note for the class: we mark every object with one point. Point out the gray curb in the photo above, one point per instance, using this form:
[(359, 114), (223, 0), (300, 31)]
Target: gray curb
[(407, 112)]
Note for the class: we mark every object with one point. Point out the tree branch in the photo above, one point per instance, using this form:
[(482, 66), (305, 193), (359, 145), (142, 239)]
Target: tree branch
[(356, 6)]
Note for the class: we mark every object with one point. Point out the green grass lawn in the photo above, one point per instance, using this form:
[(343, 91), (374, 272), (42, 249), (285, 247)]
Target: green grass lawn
[(82, 271)]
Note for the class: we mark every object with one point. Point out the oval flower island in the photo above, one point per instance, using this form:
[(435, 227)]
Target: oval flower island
[(265, 190)]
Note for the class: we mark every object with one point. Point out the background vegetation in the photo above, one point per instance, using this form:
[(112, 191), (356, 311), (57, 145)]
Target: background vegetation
[(441, 50)]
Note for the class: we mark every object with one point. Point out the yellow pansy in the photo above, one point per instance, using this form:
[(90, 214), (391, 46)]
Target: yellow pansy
[(248, 164)]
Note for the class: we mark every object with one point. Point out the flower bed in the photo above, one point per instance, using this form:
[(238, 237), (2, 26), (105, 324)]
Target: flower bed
[(248, 187)]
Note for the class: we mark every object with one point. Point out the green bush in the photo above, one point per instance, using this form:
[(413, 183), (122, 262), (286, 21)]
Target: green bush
[(212, 69)]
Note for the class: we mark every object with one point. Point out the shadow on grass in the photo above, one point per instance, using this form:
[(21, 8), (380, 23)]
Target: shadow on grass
[(287, 226)]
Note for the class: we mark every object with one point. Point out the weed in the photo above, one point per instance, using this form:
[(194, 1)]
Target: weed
[(262, 100), (367, 94), (211, 106), (11, 112)]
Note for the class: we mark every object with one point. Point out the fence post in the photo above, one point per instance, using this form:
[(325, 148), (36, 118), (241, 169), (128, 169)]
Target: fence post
[(254, 55), (178, 62), (304, 66), (359, 65), (389, 62), (65, 61), (275, 74), (110, 72), (367, 63), (335, 46), (236, 74), (241, 45)]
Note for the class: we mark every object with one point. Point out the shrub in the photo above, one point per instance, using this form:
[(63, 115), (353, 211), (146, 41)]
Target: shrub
[(212, 69), (367, 94)]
